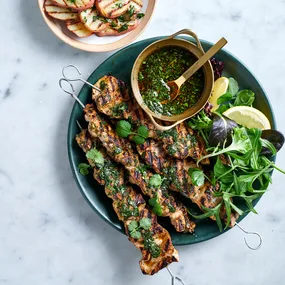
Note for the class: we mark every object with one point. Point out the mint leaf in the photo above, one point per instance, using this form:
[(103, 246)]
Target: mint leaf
[(143, 131), (84, 168), (138, 139), (155, 180), (95, 155), (233, 86), (145, 223), (133, 226), (197, 176), (123, 129)]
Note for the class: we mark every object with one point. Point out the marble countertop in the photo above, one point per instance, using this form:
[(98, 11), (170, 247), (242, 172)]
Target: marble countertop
[(48, 233)]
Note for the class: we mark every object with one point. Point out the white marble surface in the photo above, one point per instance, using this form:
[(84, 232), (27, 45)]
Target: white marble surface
[(48, 233)]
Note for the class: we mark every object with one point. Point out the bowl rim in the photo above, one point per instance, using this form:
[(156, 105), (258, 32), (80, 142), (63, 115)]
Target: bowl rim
[(207, 70), (70, 140), (126, 40)]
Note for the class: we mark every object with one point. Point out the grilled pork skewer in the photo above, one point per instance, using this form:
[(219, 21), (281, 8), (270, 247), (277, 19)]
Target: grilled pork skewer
[(154, 243), (115, 102), (121, 151)]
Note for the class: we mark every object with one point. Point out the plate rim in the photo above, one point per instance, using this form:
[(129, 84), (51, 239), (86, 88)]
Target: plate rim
[(69, 139), (123, 42)]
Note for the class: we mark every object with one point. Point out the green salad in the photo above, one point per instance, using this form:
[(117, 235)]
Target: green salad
[(242, 159)]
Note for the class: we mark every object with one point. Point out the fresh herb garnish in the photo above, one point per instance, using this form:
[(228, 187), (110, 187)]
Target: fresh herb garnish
[(96, 156), (124, 129), (102, 85), (197, 176), (84, 168), (155, 180), (140, 15), (135, 228), (131, 10), (156, 207), (151, 245), (123, 28)]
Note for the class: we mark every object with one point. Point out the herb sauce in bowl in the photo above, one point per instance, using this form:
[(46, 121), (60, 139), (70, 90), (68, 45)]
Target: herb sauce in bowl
[(163, 65)]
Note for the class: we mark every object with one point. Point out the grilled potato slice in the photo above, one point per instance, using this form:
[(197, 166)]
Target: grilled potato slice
[(135, 6), (112, 8), (120, 28), (92, 20), (59, 13), (74, 4), (78, 28)]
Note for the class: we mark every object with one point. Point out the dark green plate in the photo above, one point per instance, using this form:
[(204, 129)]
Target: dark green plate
[(120, 65)]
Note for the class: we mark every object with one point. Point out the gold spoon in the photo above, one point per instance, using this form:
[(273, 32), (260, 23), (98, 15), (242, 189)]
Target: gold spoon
[(176, 84)]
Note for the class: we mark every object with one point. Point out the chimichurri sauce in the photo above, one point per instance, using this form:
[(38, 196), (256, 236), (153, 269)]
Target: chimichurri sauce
[(167, 64)]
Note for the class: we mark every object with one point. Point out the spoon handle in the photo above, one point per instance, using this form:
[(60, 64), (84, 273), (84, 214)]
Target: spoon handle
[(202, 60)]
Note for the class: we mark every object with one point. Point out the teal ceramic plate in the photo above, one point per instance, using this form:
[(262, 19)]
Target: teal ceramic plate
[(120, 65)]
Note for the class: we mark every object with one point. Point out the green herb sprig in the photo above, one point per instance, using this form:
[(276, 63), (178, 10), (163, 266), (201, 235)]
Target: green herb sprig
[(135, 227), (124, 129), (84, 168)]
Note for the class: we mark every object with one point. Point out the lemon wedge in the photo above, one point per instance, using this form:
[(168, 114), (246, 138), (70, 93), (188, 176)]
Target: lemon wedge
[(220, 88), (248, 117)]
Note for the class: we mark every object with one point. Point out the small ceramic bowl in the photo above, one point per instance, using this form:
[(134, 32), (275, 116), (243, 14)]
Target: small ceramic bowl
[(197, 51), (94, 43)]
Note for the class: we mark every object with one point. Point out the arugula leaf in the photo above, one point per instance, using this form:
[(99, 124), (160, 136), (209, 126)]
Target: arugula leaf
[(96, 156), (143, 131), (155, 180), (223, 172), (233, 86), (197, 176), (228, 208), (123, 129), (209, 213), (240, 143), (145, 223), (240, 186), (227, 97), (244, 98), (249, 200), (156, 207), (84, 168)]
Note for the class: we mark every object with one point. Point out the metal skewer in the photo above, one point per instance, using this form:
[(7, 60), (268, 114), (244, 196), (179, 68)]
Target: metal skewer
[(72, 92), (71, 66), (173, 277), (251, 233)]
